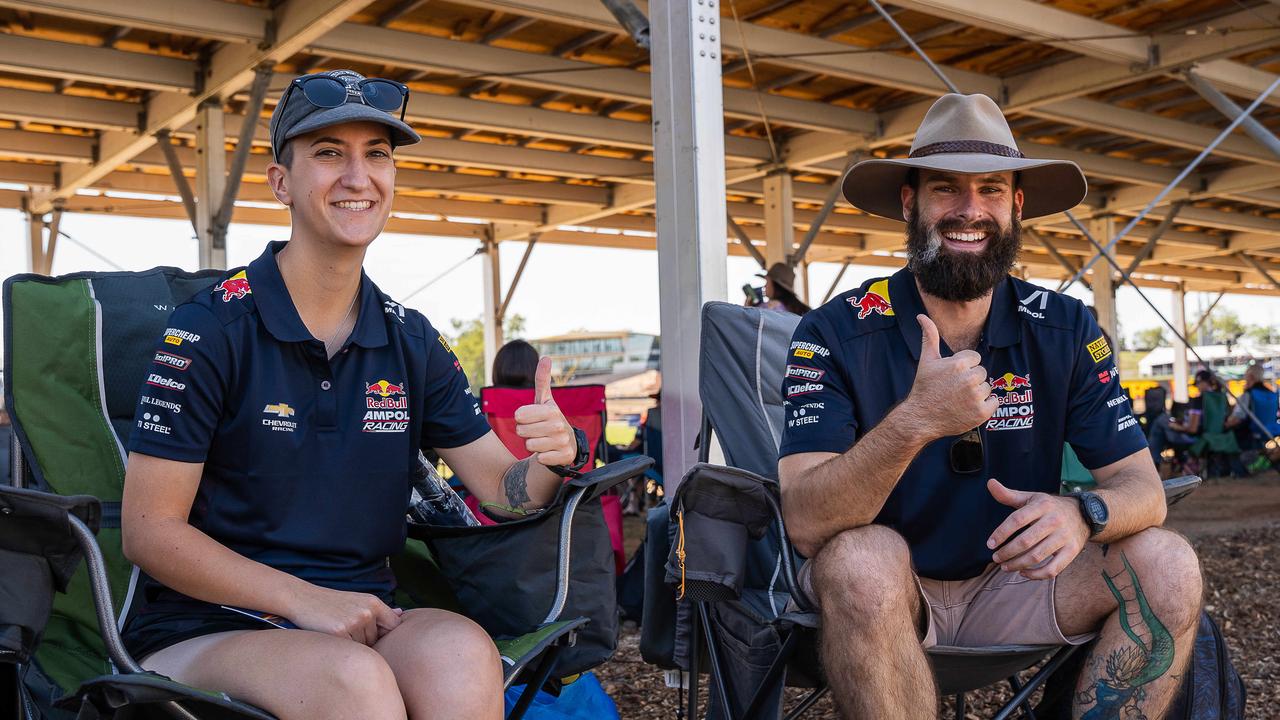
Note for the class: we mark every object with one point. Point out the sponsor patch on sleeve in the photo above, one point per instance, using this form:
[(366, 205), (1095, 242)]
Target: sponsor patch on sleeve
[(804, 372), (1099, 350)]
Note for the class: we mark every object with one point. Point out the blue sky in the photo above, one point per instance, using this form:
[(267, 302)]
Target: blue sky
[(564, 287)]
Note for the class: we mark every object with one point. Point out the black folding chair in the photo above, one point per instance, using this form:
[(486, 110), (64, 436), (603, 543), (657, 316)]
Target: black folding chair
[(744, 617)]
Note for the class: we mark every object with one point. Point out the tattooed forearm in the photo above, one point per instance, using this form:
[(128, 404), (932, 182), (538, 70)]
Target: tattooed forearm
[(1120, 693), (515, 483)]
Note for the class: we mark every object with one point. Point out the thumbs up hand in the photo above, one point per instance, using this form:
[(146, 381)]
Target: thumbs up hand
[(950, 395), (546, 432)]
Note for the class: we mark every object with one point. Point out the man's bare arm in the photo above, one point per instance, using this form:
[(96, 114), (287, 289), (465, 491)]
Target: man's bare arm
[(1134, 496), (824, 494)]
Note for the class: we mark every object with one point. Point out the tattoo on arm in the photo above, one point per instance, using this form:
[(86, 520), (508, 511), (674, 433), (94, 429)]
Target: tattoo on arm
[(1120, 692), (515, 483)]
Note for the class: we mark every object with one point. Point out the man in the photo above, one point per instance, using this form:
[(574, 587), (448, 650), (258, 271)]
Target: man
[(269, 469), (926, 419)]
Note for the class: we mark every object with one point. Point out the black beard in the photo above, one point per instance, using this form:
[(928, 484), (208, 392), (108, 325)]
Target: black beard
[(961, 276)]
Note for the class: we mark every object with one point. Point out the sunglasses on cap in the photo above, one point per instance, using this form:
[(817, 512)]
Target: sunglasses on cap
[(326, 91), (967, 453)]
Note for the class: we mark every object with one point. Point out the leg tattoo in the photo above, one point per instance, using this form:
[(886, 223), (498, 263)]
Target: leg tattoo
[(1128, 669)]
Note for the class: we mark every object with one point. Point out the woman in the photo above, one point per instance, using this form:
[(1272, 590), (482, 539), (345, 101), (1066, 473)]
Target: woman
[(779, 289), (268, 476), (515, 364)]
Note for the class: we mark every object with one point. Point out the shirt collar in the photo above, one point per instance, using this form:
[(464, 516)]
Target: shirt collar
[(1001, 330), (280, 315)]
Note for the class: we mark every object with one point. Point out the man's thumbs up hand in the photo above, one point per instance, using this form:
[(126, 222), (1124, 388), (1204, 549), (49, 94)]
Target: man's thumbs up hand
[(950, 395), (546, 432)]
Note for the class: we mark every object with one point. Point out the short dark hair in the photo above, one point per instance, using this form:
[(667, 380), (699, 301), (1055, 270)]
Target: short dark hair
[(515, 365), (285, 156)]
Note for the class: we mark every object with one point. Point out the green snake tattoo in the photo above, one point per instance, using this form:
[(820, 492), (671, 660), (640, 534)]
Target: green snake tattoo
[(1128, 669)]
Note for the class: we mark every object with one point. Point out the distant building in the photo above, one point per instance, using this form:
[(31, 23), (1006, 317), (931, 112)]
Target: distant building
[(575, 356), (626, 363), (1229, 361)]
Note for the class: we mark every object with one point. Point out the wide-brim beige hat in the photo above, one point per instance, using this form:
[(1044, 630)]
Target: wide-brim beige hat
[(965, 134)]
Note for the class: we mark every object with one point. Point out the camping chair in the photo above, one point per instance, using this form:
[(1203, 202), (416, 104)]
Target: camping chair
[(76, 349), (584, 407), (745, 615)]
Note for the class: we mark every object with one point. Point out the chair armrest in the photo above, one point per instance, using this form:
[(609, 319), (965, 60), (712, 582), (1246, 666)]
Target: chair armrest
[(1176, 489), (740, 497), (586, 487), (606, 476)]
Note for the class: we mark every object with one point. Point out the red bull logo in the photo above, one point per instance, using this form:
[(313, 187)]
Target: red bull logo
[(382, 388), (234, 287), (1016, 409), (874, 300), (1009, 382)]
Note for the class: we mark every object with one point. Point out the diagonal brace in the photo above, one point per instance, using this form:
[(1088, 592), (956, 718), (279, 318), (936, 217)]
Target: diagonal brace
[(528, 249), (1164, 225), (1266, 274), (179, 180), (1227, 107), (798, 254), (252, 113), (746, 242)]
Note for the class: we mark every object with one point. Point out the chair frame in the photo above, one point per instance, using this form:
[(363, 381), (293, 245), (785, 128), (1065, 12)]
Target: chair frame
[(126, 664), (701, 633)]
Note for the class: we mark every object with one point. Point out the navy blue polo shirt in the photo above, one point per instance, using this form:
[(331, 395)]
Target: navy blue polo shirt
[(853, 359), (306, 459)]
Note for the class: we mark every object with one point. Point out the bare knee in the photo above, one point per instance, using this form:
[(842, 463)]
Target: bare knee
[(357, 677), (866, 573), (1169, 573)]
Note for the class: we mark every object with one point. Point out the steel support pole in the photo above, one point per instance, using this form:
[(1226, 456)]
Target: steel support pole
[(55, 226), (1104, 283), (492, 272), (779, 218), (211, 180), (1180, 367), (688, 158), (35, 244)]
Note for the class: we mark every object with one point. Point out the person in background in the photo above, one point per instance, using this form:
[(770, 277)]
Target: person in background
[(1169, 432), (780, 291), (1263, 402), (515, 364)]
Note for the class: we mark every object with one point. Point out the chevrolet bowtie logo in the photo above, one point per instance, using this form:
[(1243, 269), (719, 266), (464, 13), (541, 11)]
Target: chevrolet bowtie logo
[(280, 409)]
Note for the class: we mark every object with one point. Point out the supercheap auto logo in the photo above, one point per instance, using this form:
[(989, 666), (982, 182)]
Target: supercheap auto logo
[(1016, 409)]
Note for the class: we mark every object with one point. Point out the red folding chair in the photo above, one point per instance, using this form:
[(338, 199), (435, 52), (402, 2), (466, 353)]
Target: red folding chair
[(583, 406)]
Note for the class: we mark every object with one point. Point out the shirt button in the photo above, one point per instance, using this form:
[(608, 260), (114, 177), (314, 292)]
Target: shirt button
[(325, 385)]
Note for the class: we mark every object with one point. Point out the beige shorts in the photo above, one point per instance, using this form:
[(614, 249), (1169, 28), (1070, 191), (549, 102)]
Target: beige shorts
[(994, 608)]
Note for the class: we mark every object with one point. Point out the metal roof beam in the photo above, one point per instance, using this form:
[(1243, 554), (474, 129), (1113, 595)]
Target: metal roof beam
[(296, 23), (231, 22), (366, 43), (71, 61), (55, 109)]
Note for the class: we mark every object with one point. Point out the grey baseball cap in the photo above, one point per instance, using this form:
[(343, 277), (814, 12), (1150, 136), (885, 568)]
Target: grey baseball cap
[(299, 116)]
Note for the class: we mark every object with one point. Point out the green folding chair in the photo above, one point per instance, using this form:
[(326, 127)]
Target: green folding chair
[(76, 348)]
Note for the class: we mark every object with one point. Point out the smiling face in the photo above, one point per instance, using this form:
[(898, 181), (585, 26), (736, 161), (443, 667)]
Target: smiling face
[(963, 233), (338, 184)]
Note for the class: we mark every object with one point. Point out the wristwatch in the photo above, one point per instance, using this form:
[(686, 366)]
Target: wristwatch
[(579, 460), (1094, 510)]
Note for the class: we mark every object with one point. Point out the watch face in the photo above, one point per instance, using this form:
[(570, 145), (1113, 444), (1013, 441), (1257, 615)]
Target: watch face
[(1097, 509)]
